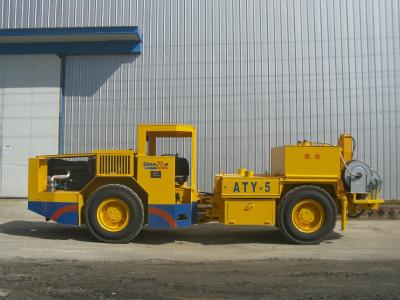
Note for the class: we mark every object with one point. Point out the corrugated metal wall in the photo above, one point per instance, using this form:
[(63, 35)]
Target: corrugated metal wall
[(249, 74)]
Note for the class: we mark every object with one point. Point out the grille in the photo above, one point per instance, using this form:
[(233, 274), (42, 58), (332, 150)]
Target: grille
[(115, 164)]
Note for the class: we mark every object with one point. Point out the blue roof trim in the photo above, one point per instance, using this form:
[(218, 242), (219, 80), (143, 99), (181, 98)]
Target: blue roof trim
[(71, 31), (126, 40), (109, 47)]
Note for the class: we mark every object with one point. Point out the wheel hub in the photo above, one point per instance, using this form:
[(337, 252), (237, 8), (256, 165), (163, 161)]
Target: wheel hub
[(113, 214), (308, 215)]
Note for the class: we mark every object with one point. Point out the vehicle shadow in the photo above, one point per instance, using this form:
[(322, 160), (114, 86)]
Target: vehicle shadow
[(45, 230), (217, 234), (205, 234)]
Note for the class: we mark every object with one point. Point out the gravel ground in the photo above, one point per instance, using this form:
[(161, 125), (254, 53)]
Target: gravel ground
[(40, 260)]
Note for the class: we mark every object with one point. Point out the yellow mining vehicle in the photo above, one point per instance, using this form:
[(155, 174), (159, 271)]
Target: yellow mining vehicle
[(117, 192)]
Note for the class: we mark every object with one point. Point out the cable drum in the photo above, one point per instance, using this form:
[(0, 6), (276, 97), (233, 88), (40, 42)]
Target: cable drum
[(357, 176)]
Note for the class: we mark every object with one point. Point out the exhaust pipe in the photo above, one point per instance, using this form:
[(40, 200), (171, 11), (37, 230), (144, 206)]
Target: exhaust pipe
[(53, 180)]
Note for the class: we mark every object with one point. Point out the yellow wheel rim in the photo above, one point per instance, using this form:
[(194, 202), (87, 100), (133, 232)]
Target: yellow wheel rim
[(113, 214), (308, 216)]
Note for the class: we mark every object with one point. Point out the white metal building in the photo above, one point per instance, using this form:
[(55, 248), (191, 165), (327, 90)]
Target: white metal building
[(250, 74)]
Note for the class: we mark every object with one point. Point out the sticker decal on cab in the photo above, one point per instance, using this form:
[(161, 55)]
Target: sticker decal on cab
[(155, 166)]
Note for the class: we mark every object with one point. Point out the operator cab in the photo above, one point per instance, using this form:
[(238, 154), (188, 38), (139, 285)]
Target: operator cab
[(171, 176)]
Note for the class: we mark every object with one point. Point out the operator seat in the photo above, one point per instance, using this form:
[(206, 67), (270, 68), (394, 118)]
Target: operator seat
[(181, 169)]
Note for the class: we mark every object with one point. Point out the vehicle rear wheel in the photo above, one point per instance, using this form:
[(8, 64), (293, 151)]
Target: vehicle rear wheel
[(114, 214), (306, 215)]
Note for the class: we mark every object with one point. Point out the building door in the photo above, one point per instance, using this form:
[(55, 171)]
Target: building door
[(29, 116)]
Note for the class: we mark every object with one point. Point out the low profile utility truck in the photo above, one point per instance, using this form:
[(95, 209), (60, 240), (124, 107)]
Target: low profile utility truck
[(117, 192)]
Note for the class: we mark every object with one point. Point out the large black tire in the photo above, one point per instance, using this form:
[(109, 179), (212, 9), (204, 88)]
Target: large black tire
[(131, 201), (287, 208)]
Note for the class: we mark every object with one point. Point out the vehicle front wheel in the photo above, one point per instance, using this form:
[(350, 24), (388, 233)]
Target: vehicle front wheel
[(114, 214)]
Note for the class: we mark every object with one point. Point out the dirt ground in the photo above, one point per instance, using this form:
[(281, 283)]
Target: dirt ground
[(40, 260)]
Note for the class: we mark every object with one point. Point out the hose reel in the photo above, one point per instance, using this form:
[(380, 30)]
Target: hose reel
[(359, 177)]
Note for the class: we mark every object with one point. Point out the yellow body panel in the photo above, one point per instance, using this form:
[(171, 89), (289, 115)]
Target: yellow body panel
[(250, 212), (156, 175), (306, 161), (60, 196), (37, 182), (185, 194), (236, 186), (245, 199)]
